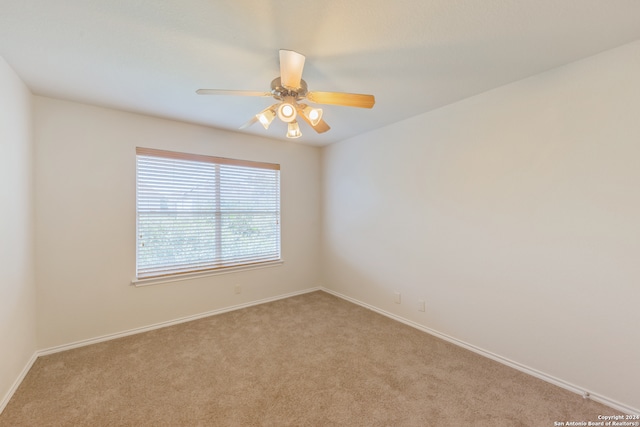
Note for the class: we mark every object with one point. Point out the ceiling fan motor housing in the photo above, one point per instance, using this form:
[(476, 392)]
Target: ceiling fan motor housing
[(281, 92)]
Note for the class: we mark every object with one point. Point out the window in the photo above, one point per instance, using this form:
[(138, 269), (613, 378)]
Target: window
[(199, 213)]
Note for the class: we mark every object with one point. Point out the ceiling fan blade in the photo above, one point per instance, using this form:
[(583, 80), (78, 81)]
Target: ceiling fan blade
[(232, 92), (320, 127), (291, 66), (344, 99), (249, 123)]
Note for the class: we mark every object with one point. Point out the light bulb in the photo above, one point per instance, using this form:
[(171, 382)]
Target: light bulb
[(287, 112), (293, 130), (314, 115)]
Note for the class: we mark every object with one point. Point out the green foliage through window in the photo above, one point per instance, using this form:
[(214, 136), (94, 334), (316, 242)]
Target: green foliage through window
[(200, 214)]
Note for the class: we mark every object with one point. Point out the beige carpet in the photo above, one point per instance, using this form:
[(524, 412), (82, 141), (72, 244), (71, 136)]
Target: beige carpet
[(310, 360)]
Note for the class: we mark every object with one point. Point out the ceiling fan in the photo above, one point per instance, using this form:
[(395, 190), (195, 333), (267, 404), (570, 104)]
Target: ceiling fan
[(290, 91)]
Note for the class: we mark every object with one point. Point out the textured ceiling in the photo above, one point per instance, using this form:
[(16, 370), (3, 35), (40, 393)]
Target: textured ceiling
[(151, 56)]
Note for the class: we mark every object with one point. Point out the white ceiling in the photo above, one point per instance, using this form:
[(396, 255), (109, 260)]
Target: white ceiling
[(150, 56)]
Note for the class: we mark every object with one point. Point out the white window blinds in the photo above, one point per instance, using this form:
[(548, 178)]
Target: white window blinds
[(197, 213)]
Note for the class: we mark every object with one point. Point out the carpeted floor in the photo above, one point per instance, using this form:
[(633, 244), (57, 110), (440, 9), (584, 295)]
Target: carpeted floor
[(310, 360)]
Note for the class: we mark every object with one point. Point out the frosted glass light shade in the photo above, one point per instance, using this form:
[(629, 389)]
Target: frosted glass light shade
[(266, 117), (313, 114), (293, 130)]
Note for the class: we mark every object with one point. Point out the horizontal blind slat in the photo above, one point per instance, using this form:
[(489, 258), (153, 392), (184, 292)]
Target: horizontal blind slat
[(194, 214)]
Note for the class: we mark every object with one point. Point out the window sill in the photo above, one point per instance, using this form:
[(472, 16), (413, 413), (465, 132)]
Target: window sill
[(190, 276)]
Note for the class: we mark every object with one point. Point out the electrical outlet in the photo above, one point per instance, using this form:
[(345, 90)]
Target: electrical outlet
[(421, 305), (237, 289), (396, 297)]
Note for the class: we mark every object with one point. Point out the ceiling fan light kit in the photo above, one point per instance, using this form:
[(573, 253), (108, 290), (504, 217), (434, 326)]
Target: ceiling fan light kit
[(289, 89)]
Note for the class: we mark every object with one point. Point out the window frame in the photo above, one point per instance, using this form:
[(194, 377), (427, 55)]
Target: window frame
[(141, 280)]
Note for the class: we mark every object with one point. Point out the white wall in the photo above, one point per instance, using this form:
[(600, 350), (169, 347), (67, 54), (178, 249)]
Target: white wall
[(17, 284), (85, 221), (515, 214)]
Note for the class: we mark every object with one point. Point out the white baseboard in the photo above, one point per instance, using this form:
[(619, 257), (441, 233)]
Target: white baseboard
[(7, 397), (134, 331), (5, 400), (533, 372), (520, 367)]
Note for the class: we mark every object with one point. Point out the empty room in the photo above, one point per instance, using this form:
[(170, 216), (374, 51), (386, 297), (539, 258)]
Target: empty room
[(279, 213)]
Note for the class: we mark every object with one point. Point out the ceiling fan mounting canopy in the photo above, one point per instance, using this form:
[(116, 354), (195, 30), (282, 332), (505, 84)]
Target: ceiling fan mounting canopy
[(288, 89)]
